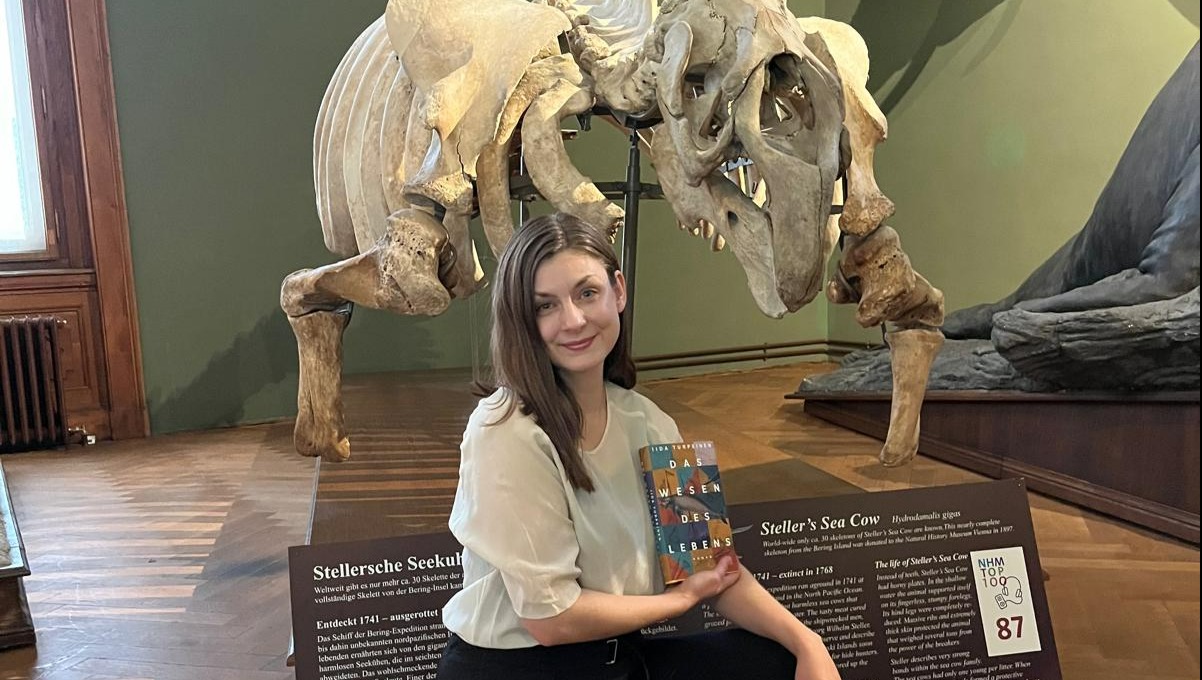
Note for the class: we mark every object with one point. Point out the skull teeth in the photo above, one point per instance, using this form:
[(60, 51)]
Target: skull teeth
[(718, 243), (760, 194)]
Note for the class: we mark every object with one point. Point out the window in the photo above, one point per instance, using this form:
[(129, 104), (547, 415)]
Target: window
[(23, 233), (56, 97)]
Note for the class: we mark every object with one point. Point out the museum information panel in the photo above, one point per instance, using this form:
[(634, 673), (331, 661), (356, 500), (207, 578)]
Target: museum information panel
[(920, 584), (372, 610)]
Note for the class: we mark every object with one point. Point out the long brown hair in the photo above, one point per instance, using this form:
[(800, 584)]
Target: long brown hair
[(520, 361)]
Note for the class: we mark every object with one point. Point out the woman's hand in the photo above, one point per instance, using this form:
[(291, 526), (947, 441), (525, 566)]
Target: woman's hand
[(706, 584)]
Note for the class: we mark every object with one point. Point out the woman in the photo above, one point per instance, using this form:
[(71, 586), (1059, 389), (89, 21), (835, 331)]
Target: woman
[(559, 561)]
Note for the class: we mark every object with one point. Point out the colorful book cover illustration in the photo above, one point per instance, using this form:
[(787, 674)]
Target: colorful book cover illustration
[(688, 510)]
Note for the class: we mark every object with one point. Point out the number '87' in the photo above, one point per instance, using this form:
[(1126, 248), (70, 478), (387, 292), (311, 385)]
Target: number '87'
[(1004, 632)]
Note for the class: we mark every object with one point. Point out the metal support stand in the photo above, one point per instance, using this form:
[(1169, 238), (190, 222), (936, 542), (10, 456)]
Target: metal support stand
[(523, 209), (630, 231)]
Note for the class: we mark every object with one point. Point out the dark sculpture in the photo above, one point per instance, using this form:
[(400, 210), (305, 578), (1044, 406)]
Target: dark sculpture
[(1116, 307)]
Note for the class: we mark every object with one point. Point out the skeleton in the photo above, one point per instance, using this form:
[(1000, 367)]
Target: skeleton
[(417, 127)]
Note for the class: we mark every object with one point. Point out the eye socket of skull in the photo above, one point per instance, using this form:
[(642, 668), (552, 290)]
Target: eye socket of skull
[(703, 101), (694, 80), (786, 109)]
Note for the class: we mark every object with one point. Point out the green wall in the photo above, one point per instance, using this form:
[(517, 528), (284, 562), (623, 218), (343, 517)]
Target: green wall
[(216, 103), (1005, 121)]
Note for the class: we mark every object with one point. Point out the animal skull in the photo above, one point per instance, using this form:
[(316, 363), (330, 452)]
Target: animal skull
[(740, 81)]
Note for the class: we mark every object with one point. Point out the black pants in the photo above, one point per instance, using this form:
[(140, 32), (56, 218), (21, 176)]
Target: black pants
[(718, 655)]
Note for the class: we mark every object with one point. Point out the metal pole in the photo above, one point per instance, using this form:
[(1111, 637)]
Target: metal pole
[(630, 230), (523, 209)]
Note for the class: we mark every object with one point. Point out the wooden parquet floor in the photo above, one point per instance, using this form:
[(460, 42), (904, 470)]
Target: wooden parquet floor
[(163, 558), (166, 558)]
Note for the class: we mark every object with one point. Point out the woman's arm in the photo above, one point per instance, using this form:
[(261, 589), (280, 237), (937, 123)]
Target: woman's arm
[(748, 605), (597, 616)]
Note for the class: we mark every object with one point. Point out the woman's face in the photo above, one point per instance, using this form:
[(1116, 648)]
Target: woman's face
[(578, 311)]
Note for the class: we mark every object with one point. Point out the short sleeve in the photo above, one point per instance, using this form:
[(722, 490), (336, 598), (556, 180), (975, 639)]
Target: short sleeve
[(511, 509)]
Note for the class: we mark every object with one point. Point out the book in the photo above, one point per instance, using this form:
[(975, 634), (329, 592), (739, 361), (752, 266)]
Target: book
[(688, 509)]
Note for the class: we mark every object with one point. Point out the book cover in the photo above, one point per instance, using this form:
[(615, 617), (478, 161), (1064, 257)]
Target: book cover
[(688, 510)]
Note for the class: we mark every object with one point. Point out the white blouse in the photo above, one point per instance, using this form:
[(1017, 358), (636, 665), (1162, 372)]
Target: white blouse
[(532, 542)]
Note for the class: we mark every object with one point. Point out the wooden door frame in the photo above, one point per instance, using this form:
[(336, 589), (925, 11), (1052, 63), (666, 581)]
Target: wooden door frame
[(107, 217)]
